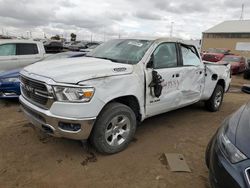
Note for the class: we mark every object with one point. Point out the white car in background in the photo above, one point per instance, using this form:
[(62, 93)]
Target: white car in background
[(19, 53)]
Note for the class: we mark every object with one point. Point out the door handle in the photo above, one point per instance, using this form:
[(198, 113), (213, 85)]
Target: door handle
[(177, 75)]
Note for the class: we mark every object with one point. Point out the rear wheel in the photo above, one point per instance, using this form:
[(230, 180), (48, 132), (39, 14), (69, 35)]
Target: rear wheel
[(114, 128), (214, 103)]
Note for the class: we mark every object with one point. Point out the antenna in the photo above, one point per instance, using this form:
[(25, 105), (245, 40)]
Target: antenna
[(242, 12)]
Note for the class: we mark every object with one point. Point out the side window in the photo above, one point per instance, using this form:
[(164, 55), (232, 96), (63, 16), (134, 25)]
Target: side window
[(190, 57), (165, 56), (7, 49), (27, 49)]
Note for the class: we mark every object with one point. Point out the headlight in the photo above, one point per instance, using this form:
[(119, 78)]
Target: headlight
[(14, 79), (74, 94), (230, 150)]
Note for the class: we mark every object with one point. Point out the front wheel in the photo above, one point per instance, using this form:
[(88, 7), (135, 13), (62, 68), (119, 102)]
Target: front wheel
[(114, 128), (214, 103)]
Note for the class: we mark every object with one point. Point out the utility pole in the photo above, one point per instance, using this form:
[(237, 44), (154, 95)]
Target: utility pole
[(242, 12), (171, 30)]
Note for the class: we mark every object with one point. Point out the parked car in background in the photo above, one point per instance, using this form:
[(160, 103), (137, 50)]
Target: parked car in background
[(10, 84), (63, 55), (103, 95), (228, 153), (53, 46), (89, 49), (215, 54), (19, 53), (82, 45), (238, 63), (9, 80), (247, 71), (66, 44)]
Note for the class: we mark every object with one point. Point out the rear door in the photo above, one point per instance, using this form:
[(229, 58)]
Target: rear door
[(28, 53), (193, 75), (8, 58)]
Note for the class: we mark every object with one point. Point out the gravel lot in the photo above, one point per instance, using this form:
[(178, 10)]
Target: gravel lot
[(31, 159)]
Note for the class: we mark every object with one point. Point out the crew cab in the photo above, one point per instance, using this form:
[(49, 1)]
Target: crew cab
[(19, 53), (104, 95)]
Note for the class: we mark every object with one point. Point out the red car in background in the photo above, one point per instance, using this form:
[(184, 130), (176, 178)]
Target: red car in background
[(215, 54), (238, 63)]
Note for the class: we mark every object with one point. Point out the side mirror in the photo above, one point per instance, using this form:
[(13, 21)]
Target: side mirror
[(150, 64)]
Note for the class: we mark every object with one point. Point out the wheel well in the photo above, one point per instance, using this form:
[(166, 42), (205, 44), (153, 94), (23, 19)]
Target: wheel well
[(221, 82), (132, 102)]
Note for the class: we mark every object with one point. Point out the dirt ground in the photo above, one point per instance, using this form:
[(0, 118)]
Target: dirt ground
[(29, 159)]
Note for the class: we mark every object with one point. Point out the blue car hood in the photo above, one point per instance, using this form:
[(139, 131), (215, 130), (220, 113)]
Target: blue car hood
[(10, 74)]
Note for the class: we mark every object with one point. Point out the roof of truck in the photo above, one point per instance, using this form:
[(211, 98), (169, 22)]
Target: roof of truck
[(4, 41), (156, 39)]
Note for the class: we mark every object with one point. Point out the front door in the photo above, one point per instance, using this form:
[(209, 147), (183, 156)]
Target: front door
[(167, 66)]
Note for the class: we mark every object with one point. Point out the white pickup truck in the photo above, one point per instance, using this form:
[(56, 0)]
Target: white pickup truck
[(16, 54), (103, 96)]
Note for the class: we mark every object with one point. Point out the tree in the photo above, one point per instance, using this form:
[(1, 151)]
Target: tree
[(73, 36), (56, 37)]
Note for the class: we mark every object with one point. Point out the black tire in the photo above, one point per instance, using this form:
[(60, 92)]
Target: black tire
[(105, 123), (246, 88), (247, 74), (212, 104)]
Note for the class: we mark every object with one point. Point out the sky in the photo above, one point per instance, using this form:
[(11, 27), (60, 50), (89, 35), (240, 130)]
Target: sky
[(107, 19)]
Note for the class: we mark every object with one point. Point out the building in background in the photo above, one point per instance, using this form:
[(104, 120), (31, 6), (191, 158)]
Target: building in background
[(233, 35)]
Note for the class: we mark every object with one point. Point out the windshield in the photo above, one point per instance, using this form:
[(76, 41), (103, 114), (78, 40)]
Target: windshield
[(128, 51), (231, 59)]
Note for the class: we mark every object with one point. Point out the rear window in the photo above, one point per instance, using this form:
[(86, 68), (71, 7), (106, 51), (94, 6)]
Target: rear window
[(27, 49)]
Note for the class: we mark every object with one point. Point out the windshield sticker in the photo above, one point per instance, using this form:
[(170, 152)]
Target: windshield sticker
[(135, 43)]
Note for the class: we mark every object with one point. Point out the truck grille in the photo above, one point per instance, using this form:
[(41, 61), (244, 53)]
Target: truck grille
[(36, 92)]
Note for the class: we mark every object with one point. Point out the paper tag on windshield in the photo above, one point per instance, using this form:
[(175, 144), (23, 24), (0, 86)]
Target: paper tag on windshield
[(135, 43)]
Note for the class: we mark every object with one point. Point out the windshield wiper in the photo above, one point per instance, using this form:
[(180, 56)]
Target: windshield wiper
[(106, 58), (110, 59)]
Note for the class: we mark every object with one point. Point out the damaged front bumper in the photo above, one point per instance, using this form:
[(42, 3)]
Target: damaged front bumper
[(72, 128)]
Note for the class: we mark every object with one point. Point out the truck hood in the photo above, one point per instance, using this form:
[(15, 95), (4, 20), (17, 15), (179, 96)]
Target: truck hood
[(75, 70)]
